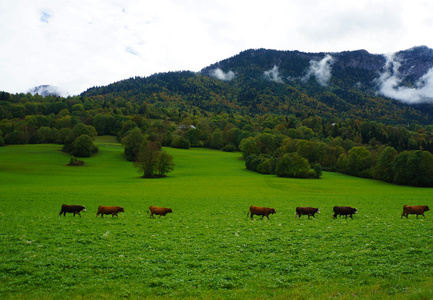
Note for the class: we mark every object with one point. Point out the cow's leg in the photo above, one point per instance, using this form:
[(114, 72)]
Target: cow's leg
[(351, 216), (79, 214), (423, 215)]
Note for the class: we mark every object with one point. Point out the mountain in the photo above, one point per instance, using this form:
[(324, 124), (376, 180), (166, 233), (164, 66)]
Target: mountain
[(351, 84), (349, 69)]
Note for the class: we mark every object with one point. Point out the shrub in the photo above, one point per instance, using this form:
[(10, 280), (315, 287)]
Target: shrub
[(75, 161), (229, 148), (180, 142)]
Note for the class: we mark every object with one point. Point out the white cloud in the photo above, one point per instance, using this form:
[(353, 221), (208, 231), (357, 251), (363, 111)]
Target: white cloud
[(82, 43), (221, 75), (321, 70), (390, 86), (273, 75)]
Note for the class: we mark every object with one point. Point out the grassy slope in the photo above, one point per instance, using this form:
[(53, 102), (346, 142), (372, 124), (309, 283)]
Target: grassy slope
[(207, 246)]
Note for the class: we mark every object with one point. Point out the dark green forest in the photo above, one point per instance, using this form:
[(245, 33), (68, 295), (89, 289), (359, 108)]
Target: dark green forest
[(290, 129)]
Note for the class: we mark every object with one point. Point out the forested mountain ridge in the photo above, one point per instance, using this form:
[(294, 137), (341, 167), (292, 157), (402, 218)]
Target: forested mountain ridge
[(343, 85), (291, 114)]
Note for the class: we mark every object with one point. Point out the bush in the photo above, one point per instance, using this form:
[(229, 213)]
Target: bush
[(75, 162), (251, 162), (180, 142), (229, 148)]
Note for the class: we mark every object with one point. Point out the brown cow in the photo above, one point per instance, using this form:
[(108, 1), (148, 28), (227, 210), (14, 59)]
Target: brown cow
[(310, 211), (71, 209), (414, 210), (344, 211), (161, 211), (109, 210), (260, 211)]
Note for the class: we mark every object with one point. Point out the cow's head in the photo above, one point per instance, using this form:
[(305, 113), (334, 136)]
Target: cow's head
[(273, 211), (317, 211), (83, 208), (121, 209), (355, 211), (426, 208), (169, 210)]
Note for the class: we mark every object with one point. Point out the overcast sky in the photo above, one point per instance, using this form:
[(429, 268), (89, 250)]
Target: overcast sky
[(78, 44)]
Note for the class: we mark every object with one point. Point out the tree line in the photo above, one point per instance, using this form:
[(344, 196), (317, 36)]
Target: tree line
[(288, 145)]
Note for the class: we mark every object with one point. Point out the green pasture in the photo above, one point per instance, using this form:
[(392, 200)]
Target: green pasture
[(208, 247)]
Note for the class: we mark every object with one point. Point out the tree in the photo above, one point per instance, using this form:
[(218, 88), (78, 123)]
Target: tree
[(104, 123), (79, 130), (153, 162), (216, 139), (383, 168), (358, 163), (293, 165), (180, 142), (165, 164), (132, 143), (83, 146), (399, 168), (248, 147)]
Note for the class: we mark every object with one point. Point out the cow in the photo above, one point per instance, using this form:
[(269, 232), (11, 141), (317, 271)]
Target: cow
[(109, 210), (161, 211), (310, 211), (414, 210), (76, 209), (261, 211), (344, 211)]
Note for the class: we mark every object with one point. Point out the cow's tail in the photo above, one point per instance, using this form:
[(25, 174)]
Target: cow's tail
[(248, 213)]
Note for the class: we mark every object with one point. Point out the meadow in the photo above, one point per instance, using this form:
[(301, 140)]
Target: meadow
[(208, 247)]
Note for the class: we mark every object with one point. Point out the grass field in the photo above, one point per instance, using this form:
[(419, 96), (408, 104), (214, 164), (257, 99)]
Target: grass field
[(207, 248)]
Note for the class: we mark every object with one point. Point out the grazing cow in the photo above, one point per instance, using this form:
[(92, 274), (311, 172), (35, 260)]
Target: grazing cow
[(344, 211), (310, 211), (71, 209), (414, 210), (109, 210), (260, 211), (161, 211)]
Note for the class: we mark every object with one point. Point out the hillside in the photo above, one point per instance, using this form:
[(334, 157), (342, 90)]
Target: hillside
[(353, 84)]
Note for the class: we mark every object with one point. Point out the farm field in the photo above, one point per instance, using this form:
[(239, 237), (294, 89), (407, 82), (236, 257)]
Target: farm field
[(208, 247)]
